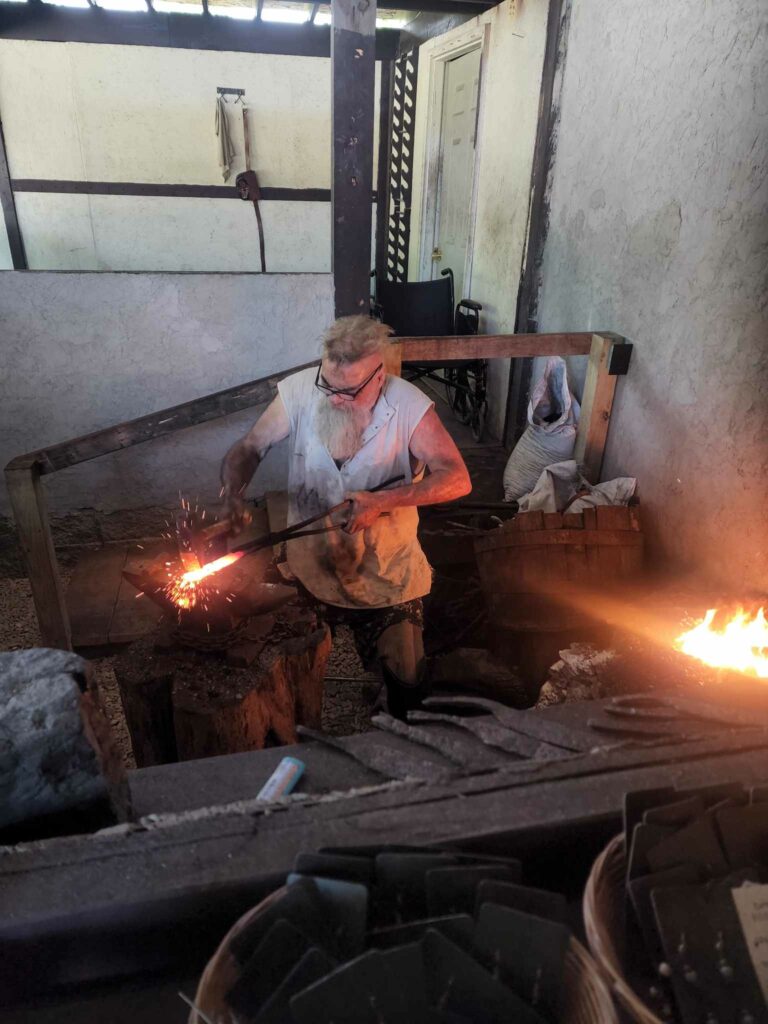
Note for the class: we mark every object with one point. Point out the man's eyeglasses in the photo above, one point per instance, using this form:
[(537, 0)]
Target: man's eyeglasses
[(350, 394)]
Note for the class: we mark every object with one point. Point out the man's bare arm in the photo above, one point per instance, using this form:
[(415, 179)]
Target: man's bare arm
[(243, 458), (448, 477)]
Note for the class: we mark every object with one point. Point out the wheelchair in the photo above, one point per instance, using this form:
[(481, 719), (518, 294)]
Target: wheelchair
[(425, 309)]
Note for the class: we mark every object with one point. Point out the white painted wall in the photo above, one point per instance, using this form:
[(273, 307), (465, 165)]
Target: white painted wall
[(94, 112), (83, 351), (659, 231), (506, 137)]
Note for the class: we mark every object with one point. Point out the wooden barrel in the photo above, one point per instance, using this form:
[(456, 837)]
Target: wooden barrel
[(534, 567)]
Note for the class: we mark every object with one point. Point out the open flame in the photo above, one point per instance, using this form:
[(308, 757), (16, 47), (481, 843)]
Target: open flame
[(741, 644), (185, 590)]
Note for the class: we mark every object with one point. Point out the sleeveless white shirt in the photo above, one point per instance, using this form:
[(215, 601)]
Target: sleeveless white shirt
[(384, 564)]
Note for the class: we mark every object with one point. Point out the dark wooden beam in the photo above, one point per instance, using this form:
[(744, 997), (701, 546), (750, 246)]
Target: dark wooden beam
[(353, 32), (382, 178), (139, 188), (49, 23), (313, 15), (154, 425), (15, 241), (527, 299)]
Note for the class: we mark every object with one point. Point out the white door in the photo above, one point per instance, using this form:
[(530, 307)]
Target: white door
[(457, 150)]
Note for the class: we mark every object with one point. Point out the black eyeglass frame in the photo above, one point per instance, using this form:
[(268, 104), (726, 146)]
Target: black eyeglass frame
[(349, 395)]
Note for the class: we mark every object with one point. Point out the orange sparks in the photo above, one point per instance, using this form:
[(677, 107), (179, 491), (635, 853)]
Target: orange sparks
[(185, 590), (742, 643)]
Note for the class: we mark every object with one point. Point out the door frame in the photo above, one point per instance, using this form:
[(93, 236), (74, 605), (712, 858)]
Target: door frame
[(475, 38)]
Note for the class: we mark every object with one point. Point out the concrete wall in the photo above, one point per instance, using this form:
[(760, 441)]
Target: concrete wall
[(78, 111), (85, 351), (658, 230), (511, 81)]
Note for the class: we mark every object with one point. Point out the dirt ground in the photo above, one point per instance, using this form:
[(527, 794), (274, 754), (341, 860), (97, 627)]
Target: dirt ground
[(349, 691)]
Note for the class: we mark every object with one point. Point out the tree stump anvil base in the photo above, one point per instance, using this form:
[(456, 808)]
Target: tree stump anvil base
[(183, 702)]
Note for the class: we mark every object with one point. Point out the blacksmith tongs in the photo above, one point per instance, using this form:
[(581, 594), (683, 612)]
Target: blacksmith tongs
[(298, 529)]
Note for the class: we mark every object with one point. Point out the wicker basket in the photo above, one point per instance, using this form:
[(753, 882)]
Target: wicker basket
[(604, 924), (587, 997)]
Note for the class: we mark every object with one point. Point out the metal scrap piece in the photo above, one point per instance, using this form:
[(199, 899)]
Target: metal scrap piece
[(487, 729), (459, 750), (677, 708), (392, 765), (531, 723)]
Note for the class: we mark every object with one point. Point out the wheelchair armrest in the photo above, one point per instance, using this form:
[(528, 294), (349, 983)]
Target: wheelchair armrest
[(471, 304)]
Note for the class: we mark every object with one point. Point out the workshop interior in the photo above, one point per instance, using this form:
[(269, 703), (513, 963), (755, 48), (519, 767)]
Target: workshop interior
[(383, 548)]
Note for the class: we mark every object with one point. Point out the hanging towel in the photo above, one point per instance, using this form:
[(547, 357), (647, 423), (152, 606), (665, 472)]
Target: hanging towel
[(226, 148)]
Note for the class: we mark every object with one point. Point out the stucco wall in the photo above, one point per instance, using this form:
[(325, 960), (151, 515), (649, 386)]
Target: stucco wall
[(83, 351), (511, 82), (659, 231), (79, 111)]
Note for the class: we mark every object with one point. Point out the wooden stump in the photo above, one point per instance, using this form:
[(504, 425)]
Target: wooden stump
[(55, 747), (182, 703)]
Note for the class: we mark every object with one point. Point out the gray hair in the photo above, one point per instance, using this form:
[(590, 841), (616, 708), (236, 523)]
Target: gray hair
[(352, 338)]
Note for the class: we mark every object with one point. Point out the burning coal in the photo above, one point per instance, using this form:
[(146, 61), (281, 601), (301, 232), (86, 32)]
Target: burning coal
[(741, 644)]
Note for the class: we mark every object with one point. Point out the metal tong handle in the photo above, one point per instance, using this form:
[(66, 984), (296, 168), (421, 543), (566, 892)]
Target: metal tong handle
[(294, 531), (342, 504)]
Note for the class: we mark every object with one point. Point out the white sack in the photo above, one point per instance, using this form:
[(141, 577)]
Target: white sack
[(553, 414), (558, 484)]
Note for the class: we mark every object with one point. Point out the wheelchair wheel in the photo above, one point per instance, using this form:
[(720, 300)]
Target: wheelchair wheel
[(459, 397)]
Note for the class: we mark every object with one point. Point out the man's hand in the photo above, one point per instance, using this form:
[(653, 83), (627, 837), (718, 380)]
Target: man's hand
[(235, 509), (364, 511), (244, 456)]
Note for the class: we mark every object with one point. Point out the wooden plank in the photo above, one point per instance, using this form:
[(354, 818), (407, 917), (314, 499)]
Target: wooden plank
[(133, 616), (353, 63), (553, 521), (525, 522), (154, 425), (92, 594), (494, 346), (596, 405), (497, 540), (612, 517), (15, 240), (573, 521), (590, 519), (30, 514)]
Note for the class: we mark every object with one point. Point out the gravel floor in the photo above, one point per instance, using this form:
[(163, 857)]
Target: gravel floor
[(349, 693)]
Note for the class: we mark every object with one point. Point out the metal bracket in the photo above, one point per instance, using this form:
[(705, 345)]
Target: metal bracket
[(619, 359), (223, 91)]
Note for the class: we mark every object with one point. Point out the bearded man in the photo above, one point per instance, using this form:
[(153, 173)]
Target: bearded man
[(351, 427)]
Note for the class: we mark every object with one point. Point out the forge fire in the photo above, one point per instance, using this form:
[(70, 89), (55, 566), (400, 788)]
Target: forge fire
[(187, 589), (740, 643)]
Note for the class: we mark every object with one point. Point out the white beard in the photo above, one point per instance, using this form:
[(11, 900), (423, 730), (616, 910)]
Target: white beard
[(338, 429)]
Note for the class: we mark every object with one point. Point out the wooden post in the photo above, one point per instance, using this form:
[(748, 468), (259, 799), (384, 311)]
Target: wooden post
[(353, 59), (31, 515), (596, 405), (15, 241)]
